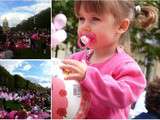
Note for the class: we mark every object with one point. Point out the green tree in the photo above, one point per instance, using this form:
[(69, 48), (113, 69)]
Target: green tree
[(20, 82), (66, 7), (147, 42), (6, 79), (17, 82)]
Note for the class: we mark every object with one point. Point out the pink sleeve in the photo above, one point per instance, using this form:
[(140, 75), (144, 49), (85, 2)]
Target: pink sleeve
[(120, 92), (78, 56)]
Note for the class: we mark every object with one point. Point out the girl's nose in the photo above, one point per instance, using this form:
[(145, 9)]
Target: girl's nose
[(86, 27)]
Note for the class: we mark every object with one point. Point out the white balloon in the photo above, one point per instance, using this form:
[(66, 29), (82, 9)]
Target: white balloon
[(60, 21), (58, 37)]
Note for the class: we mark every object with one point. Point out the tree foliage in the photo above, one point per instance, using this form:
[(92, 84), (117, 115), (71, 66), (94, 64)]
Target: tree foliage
[(17, 82), (6, 78), (147, 42), (66, 7), (20, 82)]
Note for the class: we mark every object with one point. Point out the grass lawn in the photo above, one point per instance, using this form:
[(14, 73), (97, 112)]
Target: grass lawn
[(27, 53)]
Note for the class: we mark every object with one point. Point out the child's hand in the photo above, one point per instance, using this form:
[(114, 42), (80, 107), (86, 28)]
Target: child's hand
[(75, 69)]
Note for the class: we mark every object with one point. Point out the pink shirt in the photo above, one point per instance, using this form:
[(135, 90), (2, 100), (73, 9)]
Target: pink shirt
[(114, 84), (35, 36)]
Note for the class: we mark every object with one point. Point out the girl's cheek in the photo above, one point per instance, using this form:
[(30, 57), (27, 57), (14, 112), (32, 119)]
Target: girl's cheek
[(78, 32), (79, 29)]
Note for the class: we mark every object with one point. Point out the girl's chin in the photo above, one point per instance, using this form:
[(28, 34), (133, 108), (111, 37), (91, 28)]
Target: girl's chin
[(91, 46)]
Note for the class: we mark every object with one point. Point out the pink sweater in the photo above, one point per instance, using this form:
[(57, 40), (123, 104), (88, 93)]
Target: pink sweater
[(114, 85)]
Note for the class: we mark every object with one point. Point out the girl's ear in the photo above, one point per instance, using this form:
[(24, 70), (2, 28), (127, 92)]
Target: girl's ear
[(123, 26)]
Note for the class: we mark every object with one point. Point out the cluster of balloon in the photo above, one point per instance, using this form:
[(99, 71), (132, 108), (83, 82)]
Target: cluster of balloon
[(58, 33), (69, 100)]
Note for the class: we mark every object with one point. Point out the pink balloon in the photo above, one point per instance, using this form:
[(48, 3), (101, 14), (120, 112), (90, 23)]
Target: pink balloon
[(58, 37), (60, 21)]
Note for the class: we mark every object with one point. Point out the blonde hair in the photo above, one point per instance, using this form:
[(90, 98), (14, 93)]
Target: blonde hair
[(120, 9), (147, 18)]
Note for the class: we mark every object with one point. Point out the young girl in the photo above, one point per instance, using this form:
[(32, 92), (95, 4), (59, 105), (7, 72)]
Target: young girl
[(112, 77)]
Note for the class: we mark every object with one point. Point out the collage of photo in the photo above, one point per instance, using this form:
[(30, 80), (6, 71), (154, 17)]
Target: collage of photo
[(25, 65), (79, 59)]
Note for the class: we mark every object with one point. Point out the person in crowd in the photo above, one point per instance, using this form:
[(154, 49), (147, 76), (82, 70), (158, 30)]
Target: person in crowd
[(152, 101)]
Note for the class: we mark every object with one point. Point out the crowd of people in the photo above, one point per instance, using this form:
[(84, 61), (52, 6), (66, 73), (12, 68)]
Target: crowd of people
[(30, 104), (14, 40)]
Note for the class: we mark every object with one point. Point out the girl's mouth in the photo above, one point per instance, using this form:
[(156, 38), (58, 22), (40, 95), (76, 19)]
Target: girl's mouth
[(86, 39)]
